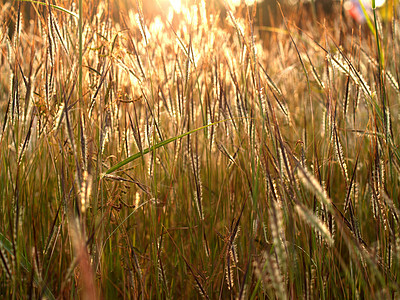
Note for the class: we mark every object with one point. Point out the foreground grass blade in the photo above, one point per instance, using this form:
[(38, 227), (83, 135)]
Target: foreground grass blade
[(7, 245), (367, 18), (156, 146)]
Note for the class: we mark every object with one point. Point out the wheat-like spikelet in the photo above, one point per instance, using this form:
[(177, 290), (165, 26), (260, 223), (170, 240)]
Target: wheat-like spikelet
[(17, 31), (316, 76), (272, 267), (160, 266), (388, 121), (282, 105), (59, 35), (137, 266), (265, 232), (161, 273), (233, 248), (356, 195), (198, 190), (201, 290), (262, 97), (320, 213), (205, 245), (393, 81), (307, 216), (142, 27), (391, 205), (10, 54), (229, 273), (377, 178), (237, 24), (58, 117), (272, 85), (388, 74), (278, 234), (260, 273), (37, 263), (389, 253), (231, 257), (345, 67), (23, 147), (86, 190), (374, 205), (286, 168), (84, 144), (339, 154), (312, 184), (15, 99), (52, 239), (51, 48), (323, 122)]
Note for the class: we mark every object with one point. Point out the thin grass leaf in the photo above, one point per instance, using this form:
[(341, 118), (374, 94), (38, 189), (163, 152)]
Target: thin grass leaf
[(156, 146)]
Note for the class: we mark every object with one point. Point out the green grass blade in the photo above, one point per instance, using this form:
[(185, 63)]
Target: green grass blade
[(156, 146), (367, 18)]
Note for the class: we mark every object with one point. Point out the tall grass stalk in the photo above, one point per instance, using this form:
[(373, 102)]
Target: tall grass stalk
[(80, 39)]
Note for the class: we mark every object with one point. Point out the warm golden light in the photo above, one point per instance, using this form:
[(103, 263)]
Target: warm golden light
[(176, 5), (235, 3)]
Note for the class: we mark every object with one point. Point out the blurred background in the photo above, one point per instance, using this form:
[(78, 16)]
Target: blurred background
[(262, 12)]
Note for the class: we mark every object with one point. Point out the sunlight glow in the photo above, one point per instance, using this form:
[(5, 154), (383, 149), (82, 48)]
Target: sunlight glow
[(176, 5), (379, 3), (236, 3)]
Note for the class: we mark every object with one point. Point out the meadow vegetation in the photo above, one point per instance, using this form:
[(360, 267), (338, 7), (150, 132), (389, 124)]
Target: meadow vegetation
[(197, 155)]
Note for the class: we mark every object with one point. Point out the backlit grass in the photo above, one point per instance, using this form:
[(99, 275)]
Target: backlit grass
[(197, 154)]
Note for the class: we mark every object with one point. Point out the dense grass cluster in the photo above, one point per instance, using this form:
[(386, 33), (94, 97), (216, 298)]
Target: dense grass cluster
[(289, 189)]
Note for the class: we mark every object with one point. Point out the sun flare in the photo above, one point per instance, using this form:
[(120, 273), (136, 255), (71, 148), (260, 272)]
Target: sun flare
[(176, 5)]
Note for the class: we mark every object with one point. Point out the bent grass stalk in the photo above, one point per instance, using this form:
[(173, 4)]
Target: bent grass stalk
[(156, 146)]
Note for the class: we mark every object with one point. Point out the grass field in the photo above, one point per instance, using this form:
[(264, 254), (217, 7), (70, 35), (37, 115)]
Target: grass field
[(197, 155)]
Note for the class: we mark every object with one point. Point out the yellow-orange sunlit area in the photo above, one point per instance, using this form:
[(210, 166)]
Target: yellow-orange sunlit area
[(177, 5)]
